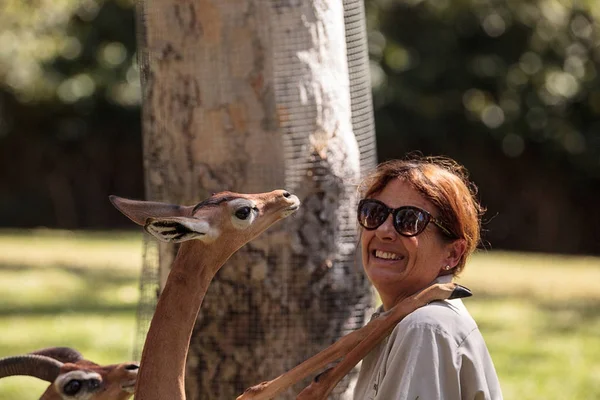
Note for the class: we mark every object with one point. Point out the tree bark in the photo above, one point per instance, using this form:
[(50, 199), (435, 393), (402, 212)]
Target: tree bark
[(251, 96)]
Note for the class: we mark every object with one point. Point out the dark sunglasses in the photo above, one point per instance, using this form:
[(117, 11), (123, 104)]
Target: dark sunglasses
[(408, 220)]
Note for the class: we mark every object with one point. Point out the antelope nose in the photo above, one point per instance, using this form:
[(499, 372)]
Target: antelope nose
[(286, 194), (132, 367)]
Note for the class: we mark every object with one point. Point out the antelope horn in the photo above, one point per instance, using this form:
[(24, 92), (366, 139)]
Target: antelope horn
[(352, 348), (62, 354), (42, 367)]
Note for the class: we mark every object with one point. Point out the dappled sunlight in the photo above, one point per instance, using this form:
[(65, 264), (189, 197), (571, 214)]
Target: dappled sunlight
[(543, 276), (74, 249), (502, 316), (29, 287), (540, 353), (540, 315), (64, 290), (101, 336)]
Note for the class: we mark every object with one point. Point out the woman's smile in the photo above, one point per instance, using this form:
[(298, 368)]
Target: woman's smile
[(386, 255)]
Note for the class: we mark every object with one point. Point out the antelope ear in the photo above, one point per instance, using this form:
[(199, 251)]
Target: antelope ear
[(139, 211), (180, 229)]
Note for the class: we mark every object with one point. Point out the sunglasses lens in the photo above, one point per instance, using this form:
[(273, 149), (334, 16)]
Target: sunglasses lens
[(410, 221), (371, 214)]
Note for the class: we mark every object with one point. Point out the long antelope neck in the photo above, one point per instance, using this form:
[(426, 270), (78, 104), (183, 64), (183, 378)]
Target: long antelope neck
[(351, 348), (166, 346)]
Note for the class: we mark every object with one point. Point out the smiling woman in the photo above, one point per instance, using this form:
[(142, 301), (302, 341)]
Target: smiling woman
[(420, 223)]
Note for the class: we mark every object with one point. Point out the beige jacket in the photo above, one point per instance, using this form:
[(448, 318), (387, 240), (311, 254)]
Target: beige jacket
[(435, 353)]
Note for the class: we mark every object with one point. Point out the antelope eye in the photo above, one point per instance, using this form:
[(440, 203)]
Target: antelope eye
[(72, 387), (243, 213), (93, 384)]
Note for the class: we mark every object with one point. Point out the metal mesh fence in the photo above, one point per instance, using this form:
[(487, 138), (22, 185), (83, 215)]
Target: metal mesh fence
[(333, 281), (363, 124), (149, 291)]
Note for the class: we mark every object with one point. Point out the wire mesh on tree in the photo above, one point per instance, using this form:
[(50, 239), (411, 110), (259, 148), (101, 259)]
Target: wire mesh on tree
[(363, 124), (299, 287), (149, 291), (330, 298)]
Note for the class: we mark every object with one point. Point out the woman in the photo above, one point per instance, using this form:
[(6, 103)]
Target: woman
[(420, 221)]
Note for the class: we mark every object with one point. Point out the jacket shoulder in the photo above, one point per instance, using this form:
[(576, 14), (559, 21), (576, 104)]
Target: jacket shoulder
[(449, 318)]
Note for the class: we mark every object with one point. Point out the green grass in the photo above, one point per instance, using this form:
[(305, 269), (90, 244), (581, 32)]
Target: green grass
[(67, 289), (539, 314)]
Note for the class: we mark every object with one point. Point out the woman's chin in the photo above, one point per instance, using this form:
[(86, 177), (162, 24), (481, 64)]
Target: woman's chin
[(383, 276)]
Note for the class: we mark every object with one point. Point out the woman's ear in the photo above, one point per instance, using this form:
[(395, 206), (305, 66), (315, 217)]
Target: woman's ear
[(455, 251)]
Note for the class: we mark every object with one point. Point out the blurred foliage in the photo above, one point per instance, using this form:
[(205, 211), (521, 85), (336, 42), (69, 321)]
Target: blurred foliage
[(69, 111), (510, 88), (69, 51), (520, 73)]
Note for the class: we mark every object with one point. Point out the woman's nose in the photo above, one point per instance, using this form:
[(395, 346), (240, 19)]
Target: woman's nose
[(386, 231)]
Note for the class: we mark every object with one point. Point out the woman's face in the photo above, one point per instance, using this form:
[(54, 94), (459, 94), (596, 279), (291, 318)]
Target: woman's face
[(400, 266)]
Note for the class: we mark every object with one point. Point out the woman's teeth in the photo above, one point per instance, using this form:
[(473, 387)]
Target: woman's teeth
[(386, 255)]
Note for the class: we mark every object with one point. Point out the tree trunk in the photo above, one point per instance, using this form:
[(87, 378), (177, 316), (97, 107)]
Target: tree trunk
[(252, 96)]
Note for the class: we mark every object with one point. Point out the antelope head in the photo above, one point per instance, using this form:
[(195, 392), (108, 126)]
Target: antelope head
[(71, 376), (224, 222)]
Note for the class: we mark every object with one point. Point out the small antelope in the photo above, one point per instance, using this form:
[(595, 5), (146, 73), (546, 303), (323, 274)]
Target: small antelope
[(71, 376), (210, 232)]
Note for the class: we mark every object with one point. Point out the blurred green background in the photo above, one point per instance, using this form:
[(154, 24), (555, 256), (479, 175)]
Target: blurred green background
[(510, 88)]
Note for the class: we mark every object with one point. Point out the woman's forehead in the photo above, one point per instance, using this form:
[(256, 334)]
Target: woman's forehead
[(400, 192)]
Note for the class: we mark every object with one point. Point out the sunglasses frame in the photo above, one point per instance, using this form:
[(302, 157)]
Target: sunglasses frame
[(393, 211)]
